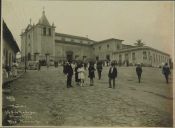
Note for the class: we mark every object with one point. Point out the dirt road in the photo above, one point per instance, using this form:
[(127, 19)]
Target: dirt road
[(45, 100)]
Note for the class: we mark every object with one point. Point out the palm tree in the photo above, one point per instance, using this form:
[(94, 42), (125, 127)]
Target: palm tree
[(139, 43)]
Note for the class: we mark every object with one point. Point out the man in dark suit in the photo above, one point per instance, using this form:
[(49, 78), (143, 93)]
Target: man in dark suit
[(139, 71), (112, 75), (69, 73), (99, 69), (166, 71)]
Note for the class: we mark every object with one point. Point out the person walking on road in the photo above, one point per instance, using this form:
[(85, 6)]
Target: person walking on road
[(139, 72), (69, 73), (91, 73), (166, 72), (112, 75), (99, 69), (81, 74)]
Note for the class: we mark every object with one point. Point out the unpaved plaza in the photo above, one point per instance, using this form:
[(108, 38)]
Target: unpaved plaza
[(44, 94)]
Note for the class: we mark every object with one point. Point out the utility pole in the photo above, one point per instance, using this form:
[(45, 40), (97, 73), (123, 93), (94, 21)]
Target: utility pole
[(25, 53)]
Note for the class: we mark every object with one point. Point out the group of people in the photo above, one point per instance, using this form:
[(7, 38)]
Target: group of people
[(80, 73), (10, 71)]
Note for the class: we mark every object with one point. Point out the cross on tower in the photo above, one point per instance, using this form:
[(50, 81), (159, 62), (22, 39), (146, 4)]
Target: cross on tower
[(30, 21), (43, 10)]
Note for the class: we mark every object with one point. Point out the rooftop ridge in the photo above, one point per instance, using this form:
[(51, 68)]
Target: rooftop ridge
[(69, 35)]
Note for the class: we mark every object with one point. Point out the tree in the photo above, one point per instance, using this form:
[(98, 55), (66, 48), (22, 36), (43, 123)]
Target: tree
[(139, 43)]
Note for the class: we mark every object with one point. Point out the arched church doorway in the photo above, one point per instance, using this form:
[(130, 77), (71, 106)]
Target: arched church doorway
[(108, 57), (69, 55)]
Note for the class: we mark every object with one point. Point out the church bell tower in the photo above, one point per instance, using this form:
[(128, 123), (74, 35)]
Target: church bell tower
[(45, 39)]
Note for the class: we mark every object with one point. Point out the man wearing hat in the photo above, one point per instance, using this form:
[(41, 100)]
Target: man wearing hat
[(166, 71), (139, 71), (69, 73), (99, 69), (112, 75)]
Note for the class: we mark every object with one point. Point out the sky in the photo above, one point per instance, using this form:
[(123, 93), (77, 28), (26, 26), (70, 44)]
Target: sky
[(151, 21)]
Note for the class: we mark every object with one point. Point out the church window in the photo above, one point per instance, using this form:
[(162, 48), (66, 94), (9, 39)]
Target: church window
[(29, 36), (133, 56), (144, 55), (107, 46), (126, 56), (49, 31), (118, 46), (44, 31), (99, 47)]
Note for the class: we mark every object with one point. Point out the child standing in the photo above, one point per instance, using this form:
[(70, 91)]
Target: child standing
[(81, 74)]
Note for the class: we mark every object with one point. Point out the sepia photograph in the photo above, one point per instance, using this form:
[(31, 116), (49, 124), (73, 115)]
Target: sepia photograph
[(87, 63)]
